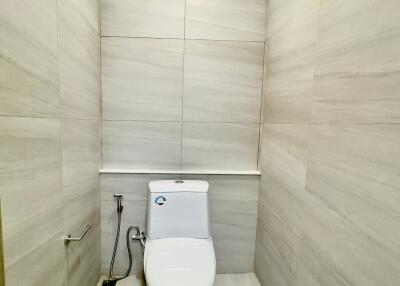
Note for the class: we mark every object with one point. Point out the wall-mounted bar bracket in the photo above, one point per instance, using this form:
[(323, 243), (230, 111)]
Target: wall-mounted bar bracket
[(69, 238)]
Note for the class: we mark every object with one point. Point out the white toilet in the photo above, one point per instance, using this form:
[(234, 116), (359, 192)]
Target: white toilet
[(179, 249)]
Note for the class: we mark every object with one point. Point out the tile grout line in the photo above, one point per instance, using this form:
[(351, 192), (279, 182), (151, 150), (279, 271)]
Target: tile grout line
[(101, 90), (265, 71), (261, 117), (61, 124), (183, 82)]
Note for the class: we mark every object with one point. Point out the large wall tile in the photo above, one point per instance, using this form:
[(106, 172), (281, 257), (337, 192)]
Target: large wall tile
[(354, 171), (81, 198), (44, 265), (81, 207), (223, 81), (289, 77), (335, 251), (357, 71), (140, 18), (285, 149), (141, 145), (242, 20), (220, 146), (233, 217), (142, 79), (233, 210), (233, 225), (281, 203), (81, 151), (276, 260), (91, 10), (79, 62), (31, 191), (29, 58)]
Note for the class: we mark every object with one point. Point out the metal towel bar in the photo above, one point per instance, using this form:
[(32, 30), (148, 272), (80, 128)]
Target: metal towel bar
[(69, 239)]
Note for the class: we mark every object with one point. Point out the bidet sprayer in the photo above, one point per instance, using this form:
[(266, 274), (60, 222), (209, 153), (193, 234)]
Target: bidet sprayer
[(119, 198)]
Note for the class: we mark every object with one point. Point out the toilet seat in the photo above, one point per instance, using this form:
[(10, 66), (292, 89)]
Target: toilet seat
[(179, 262)]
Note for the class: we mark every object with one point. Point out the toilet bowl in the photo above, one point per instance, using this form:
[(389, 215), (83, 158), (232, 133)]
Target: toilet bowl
[(180, 262), (179, 250)]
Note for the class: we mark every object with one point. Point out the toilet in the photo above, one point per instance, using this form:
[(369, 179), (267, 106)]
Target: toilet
[(179, 249)]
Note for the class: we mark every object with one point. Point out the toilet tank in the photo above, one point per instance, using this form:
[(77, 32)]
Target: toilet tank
[(178, 209)]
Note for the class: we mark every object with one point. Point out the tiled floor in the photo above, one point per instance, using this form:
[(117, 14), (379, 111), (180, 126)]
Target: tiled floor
[(222, 280)]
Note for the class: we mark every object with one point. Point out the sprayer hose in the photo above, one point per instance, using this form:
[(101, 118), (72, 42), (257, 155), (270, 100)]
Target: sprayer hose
[(128, 246), (115, 246)]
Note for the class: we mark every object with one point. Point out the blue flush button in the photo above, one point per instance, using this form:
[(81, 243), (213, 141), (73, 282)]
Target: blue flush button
[(160, 200)]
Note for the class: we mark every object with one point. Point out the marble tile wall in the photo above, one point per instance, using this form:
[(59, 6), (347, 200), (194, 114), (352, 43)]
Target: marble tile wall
[(329, 190), (182, 86), (233, 201), (180, 82), (50, 140)]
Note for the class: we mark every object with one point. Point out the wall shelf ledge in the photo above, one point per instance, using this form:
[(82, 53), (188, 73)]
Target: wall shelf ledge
[(181, 172)]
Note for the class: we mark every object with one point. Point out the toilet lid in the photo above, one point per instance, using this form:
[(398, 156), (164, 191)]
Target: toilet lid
[(180, 262)]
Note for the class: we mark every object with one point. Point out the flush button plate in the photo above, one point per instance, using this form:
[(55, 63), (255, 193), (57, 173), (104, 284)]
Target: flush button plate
[(160, 200)]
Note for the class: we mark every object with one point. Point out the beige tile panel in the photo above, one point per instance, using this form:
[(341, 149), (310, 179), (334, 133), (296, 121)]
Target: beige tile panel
[(242, 20), (276, 261), (81, 151), (31, 190), (234, 188), (291, 32), (81, 206), (91, 10), (79, 46), (357, 72), (43, 266), (353, 171), (83, 258), (220, 146), (143, 18), (223, 81), (146, 145), (233, 226), (281, 203), (142, 79), (285, 150), (29, 58), (335, 251), (233, 201)]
